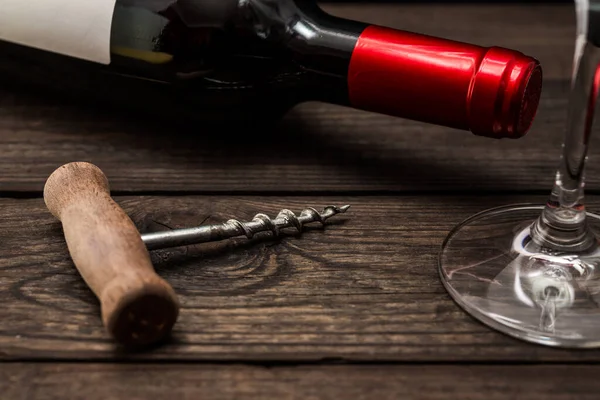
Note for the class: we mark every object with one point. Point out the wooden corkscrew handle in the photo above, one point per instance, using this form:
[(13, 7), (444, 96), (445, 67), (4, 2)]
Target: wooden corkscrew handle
[(138, 306)]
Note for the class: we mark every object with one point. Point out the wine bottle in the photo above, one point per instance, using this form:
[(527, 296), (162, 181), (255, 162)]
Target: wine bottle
[(258, 55)]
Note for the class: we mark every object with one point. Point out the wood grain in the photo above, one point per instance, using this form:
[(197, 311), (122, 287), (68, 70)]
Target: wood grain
[(316, 147), (364, 288), (220, 382)]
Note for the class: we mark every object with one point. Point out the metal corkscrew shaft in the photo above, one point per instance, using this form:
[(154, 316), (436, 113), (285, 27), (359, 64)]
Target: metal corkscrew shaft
[(233, 227)]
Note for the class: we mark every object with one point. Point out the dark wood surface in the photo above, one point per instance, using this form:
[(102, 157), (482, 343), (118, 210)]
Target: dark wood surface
[(364, 288), (219, 382), (352, 310)]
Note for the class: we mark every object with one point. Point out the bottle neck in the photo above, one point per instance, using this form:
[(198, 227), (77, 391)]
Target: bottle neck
[(318, 42)]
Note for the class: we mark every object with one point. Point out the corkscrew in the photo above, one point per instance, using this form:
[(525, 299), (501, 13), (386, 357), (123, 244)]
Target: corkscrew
[(232, 228), (138, 306)]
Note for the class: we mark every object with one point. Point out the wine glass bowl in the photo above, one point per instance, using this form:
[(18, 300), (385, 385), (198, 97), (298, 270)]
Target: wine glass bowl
[(495, 271), (533, 271)]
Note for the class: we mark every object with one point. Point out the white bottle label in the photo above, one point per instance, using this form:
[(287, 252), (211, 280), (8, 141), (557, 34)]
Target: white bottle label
[(76, 28)]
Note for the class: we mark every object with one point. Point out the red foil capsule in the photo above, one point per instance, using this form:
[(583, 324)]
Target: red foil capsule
[(492, 92)]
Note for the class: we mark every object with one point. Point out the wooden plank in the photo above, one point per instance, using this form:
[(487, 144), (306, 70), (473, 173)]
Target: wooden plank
[(365, 288), (220, 382), (317, 147)]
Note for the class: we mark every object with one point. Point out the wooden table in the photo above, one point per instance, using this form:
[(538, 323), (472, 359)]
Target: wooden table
[(352, 311)]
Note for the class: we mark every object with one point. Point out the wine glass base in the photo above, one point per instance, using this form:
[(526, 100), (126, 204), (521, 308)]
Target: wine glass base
[(496, 273)]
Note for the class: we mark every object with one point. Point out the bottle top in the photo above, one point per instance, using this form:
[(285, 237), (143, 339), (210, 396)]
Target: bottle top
[(491, 91), (505, 94)]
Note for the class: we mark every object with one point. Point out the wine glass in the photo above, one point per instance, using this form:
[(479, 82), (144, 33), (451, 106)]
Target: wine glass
[(533, 271)]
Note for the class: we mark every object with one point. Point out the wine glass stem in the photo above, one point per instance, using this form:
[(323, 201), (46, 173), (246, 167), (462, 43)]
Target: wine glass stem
[(562, 225)]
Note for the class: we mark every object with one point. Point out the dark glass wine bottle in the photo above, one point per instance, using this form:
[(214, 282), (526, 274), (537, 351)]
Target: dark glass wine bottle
[(203, 58)]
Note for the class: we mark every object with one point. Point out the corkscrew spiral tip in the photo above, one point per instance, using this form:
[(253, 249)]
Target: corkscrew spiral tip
[(285, 219), (343, 209)]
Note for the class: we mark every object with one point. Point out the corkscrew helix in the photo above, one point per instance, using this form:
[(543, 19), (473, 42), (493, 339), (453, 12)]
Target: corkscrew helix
[(285, 219), (233, 227)]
